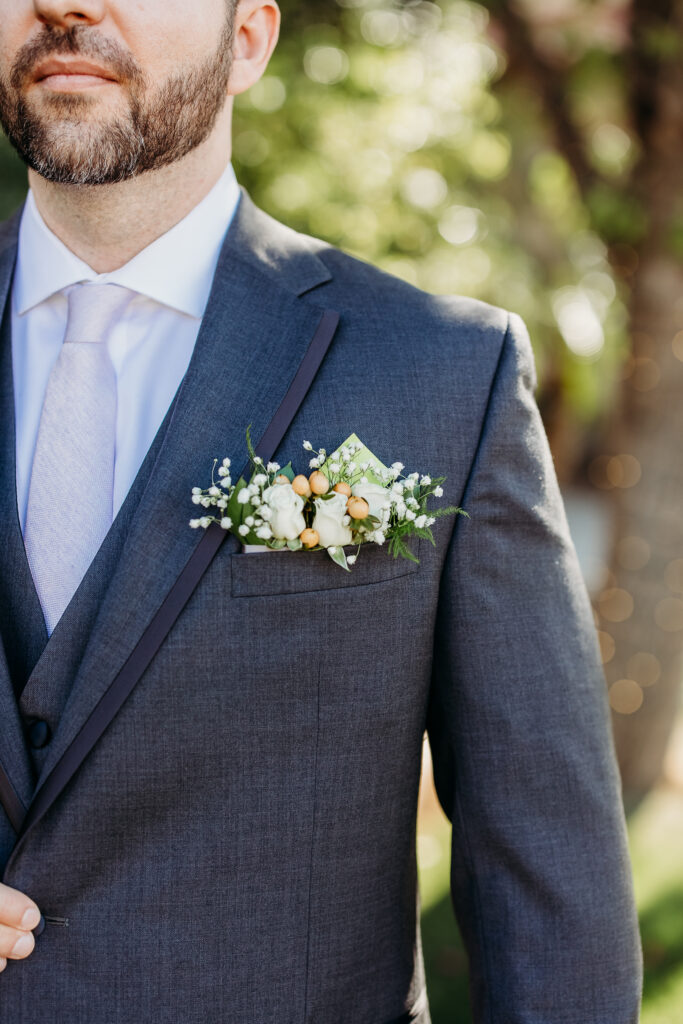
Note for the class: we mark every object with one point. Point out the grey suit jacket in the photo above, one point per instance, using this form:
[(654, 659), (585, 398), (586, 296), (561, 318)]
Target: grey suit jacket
[(238, 845)]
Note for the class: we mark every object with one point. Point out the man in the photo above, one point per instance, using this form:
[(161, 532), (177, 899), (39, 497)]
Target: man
[(209, 759)]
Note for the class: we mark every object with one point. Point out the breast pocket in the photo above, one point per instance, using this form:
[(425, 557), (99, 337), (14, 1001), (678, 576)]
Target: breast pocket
[(296, 572)]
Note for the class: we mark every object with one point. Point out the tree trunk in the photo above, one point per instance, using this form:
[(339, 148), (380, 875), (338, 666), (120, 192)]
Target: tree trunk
[(641, 608)]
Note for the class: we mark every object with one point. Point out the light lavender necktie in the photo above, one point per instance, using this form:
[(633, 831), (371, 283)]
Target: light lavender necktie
[(70, 501)]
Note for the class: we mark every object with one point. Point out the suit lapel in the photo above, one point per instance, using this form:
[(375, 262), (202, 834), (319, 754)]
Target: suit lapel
[(253, 337), (16, 782)]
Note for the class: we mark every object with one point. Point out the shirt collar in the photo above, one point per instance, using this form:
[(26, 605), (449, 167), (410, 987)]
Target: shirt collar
[(176, 270)]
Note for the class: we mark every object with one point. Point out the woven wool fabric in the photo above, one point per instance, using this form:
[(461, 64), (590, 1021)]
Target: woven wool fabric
[(239, 846)]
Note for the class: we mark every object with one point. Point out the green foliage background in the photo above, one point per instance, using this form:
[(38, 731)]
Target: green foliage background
[(382, 128)]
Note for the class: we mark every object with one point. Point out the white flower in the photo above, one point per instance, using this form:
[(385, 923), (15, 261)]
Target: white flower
[(222, 503), (410, 516), (196, 490), (222, 471), (264, 533), (227, 481), (260, 480), (255, 500), (205, 522), (397, 489), (244, 496), (378, 537), (250, 520), (396, 468), (243, 530), (334, 467), (314, 464), (196, 499), (328, 521), (351, 560), (431, 521), (273, 467), (195, 524), (308, 446), (227, 463), (421, 522), (266, 513), (438, 492), (258, 461), (425, 481), (214, 492), (205, 502), (376, 496), (285, 508), (226, 523)]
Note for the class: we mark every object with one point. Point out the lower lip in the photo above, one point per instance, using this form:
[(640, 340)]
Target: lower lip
[(74, 83)]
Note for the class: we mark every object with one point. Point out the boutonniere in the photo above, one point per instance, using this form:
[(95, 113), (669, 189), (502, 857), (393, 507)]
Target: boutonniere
[(347, 499)]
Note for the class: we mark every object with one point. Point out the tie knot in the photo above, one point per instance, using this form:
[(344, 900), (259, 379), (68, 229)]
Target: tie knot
[(93, 309)]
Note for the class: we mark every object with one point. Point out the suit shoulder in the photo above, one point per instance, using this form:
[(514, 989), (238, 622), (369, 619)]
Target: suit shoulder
[(381, 308), (366, 290)]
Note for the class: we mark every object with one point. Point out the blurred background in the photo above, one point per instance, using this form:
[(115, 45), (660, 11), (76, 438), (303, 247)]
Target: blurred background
[(529, 154)]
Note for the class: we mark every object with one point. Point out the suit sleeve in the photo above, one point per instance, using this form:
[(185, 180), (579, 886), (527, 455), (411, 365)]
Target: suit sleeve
[(521, 743)]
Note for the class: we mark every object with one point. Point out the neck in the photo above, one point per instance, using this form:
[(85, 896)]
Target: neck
[(107, 225)]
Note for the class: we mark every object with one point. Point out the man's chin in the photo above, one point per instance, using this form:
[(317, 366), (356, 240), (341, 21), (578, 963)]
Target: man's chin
[(78, 151)]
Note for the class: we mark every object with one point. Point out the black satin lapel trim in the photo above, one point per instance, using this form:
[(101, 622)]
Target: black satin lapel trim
[(181, 592)]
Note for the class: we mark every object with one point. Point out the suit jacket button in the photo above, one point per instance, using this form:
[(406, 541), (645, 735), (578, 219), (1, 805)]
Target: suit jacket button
[(39, 734), (40, 927)]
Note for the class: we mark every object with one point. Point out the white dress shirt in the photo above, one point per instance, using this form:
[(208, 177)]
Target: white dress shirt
[(150, 346)]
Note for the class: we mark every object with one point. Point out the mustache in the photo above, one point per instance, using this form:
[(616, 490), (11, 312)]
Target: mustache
[(80, 41)]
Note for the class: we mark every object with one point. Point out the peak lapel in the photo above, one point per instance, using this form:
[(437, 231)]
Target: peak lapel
[(254, 335), (16, 783)]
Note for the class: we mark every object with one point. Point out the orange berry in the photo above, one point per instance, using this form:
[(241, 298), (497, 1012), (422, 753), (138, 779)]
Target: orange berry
[(358, 508), (301, 486), (309, 538), (282, 479), (342, 488), (319, 482)]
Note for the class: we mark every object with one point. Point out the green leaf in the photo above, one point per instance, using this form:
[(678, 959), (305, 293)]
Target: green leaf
[(250, 447), (339, 557), (398, 547), (287, 471), (295, 545), (235, 510), (439, 513)]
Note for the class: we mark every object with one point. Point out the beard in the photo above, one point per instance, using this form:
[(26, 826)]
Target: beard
[(60, 141)]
